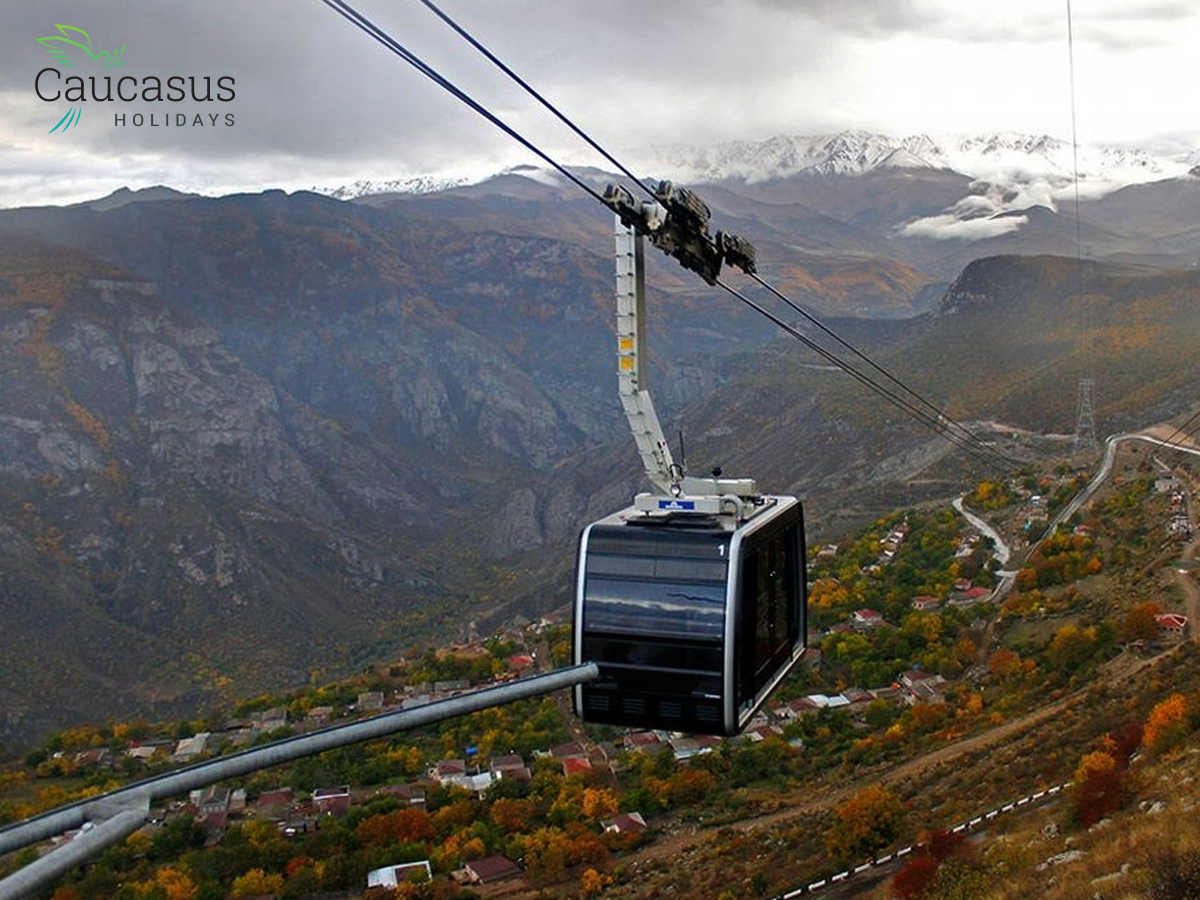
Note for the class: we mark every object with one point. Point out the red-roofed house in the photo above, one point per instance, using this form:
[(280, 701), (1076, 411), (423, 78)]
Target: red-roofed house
[(971, 596), (1171, 625), (576, 765), (626, 823), (867, 618), (926, 603)]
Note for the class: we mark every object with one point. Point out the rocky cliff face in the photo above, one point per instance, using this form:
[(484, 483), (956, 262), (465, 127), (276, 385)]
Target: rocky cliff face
[(245, 438), (248, 438)]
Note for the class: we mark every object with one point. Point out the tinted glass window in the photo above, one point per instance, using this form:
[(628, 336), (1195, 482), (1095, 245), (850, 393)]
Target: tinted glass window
[(770, 614), (657, 567), (630, 606)]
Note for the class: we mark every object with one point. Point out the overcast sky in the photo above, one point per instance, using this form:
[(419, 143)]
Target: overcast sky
[(318, 103)]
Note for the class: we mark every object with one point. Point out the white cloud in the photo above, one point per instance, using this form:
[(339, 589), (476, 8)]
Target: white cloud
[(949, 227)]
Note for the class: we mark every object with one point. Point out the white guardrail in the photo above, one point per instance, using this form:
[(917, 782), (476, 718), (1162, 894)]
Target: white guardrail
[(815, 886)]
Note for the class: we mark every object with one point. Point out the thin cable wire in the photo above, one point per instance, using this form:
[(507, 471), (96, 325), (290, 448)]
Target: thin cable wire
[(896, 400), (533, 92), (354, 17), (562, 117), (374, 31), (1183, 429), (965, 432)]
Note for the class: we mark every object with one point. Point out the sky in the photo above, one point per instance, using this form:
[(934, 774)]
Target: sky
[(317, 103)]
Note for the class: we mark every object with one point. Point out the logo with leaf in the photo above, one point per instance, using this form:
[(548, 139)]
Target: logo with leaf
[(69, 45)]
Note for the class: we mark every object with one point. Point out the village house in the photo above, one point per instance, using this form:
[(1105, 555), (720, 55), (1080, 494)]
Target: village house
[(857, 699), (370, 701), (922, 687), (761, 733), (625, 823), (210, 800), (490, 869), (274, 803), (970, 597), (866, 619), (410, 794), (1171, 626), (93, 759), (576, 765), (394, 876), (1166, 484), (646, 741), (318, 715), (925, 603), (511, 765), (191, 747), (568, 751), (521, 661), (334, 801), (687, 746), (446, 769)]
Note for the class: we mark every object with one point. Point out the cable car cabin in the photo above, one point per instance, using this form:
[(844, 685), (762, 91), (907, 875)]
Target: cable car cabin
[(692, 619)]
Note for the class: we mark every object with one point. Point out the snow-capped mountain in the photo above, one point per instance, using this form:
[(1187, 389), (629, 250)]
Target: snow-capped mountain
[(421, 184), (980, 156), (1008, 173)]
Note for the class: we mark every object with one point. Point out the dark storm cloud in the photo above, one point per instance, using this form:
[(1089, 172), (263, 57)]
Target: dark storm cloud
[(309, 84)]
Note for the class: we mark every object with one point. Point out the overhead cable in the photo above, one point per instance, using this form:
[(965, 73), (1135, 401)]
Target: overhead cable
[(346, 11), (896, 400), (462, 32), (533, 92), (971, 442)]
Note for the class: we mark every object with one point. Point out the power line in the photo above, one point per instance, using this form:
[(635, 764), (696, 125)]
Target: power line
[(356, 18), (1182, 430)]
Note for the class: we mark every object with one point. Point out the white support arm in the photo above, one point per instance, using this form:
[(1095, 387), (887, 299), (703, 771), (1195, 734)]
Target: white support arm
[(635, 399)]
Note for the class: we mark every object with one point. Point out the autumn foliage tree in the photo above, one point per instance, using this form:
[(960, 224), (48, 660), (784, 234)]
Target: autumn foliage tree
[(256, 883), (864, 824), (1099, 787), (401, 826), (918, 873), (512, 815), (1141, 622), (1167, 724)]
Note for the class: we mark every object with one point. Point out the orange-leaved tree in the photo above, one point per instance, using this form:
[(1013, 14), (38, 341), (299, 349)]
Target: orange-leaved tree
[(1167, 724), (867, 822)]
